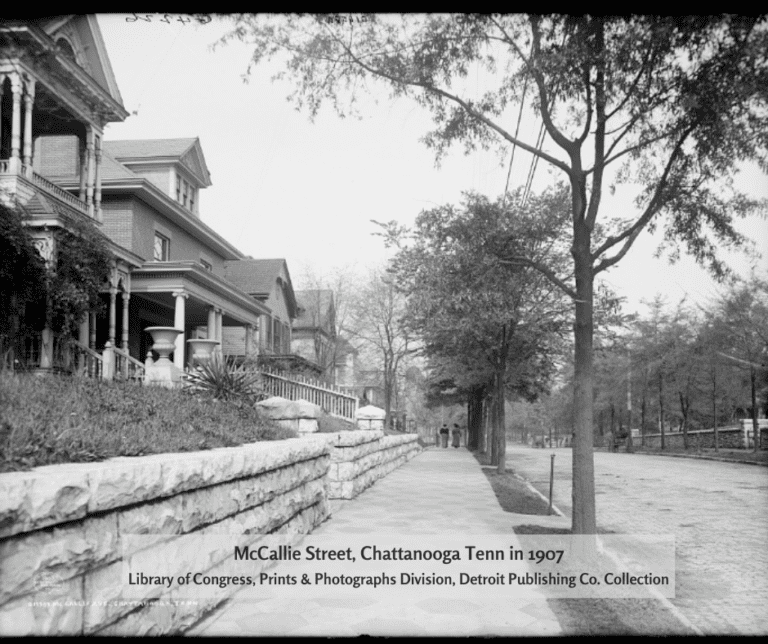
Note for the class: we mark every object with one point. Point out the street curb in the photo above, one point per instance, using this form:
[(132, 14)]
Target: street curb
[(557, 510), (654, 592), (701, 458)]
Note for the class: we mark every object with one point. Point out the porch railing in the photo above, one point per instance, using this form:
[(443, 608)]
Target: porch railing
[(126, 367), (330, 398), (89, 362), (60, 193)]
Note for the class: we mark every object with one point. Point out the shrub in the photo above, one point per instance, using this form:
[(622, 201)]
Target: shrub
[(62, 419), (223, 380)]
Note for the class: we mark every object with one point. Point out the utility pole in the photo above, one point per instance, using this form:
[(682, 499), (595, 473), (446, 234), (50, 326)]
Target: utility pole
[(630, 446)]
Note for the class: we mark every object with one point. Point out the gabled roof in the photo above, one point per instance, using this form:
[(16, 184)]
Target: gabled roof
[(89, 44), (68, 50), (315, 309), (258, 277), (113, 169), (188, 152)]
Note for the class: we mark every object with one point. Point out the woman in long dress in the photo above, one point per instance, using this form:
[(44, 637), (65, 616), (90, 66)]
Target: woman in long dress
[(456, 435)]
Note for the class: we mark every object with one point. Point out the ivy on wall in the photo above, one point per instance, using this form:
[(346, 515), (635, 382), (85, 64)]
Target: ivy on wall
[(82, 268), (22, 274), (33, 295)]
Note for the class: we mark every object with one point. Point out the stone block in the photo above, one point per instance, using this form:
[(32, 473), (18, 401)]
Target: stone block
[(278, 408), (57, 610), (160, 517), (308, 425), (50, 557), (43, 497)]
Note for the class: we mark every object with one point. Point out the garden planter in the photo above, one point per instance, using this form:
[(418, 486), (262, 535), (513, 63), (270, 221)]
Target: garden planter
[(201, 349), (163, 371)]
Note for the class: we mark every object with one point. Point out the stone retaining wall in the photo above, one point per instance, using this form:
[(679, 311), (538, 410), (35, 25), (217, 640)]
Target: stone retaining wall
[(729, 438), (360, 458), (64, 529)]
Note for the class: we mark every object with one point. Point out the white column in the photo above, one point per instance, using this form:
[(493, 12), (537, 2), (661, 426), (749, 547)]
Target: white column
[(92, 331), (89, 146), (112, 313), (248, 339), (211, 330), (83, 171), (179, 321), (82, 338), (29, 100), (124, 338), (219, 330), (15, 161), (97, 180)]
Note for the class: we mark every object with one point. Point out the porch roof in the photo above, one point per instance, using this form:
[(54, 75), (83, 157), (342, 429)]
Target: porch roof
[(203, 286)]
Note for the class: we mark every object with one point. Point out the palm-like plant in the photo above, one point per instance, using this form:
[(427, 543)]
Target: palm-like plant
[(224, 380)]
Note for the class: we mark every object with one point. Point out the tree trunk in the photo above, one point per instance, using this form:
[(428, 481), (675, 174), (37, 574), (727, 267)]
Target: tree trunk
[(755, 423), (584, 517), (661, 407), (684, 406), (483, 415), (493, 426), (501, 433), (714, 408), (476, 418)]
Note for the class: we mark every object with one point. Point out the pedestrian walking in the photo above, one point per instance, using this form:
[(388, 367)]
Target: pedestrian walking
[(444, 435), (456, 435)]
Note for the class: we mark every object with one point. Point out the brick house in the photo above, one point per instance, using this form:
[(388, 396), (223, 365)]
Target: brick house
[(168, 267)]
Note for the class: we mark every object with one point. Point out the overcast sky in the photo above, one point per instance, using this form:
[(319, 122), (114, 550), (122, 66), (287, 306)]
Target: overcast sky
[(285, 187)]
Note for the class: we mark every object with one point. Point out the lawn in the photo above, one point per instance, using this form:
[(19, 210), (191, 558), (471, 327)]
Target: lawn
[(65, 419)]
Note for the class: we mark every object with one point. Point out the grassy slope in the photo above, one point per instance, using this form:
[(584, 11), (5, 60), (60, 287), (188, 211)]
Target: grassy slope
[(61, 419)]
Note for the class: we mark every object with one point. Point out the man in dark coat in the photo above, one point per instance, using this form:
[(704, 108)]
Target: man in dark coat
[(444, 435)]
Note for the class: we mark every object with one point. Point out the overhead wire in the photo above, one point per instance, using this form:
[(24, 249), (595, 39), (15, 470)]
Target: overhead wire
[(514, 145)]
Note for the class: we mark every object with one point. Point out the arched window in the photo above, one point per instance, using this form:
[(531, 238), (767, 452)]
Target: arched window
[(66, 49)]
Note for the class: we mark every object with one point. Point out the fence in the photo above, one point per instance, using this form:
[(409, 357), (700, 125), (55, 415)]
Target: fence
[(329, 397)]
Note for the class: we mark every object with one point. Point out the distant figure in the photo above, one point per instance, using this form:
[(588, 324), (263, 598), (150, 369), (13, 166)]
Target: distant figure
[(444, 435), (456, 433)]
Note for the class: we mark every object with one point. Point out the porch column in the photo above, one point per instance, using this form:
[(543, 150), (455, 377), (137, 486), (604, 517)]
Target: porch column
[(83, 171), (46, 350), (112, 313), (29, 100), (219, 334), (97, 175), (211, 329), (92, 331), (82, 338), (179, 321), (89, 146), (248, 339), (15, 161), (124, 338)]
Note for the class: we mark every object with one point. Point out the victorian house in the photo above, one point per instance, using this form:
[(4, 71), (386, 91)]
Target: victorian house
[(168, 267), (56, 80)]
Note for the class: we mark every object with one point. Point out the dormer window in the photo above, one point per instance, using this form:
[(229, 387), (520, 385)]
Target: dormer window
[(185, 193)]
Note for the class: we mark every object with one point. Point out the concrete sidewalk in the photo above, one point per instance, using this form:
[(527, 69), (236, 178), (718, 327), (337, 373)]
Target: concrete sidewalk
[(441, 491)]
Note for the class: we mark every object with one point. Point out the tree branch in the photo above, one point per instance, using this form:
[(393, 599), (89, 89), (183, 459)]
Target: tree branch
[(464, 105), (543, 269), (631, 233)]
